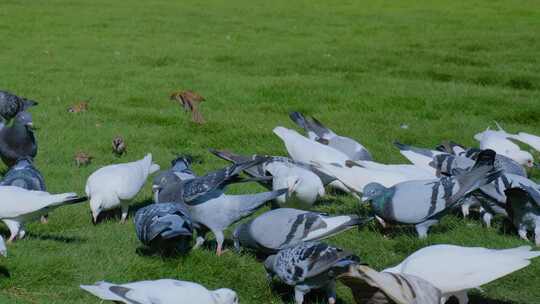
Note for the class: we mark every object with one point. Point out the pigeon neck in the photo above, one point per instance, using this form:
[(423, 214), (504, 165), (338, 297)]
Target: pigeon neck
[(381, 203)]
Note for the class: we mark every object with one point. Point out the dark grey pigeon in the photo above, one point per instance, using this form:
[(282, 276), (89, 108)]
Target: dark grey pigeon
[(308, 266), (448, 164), (285, 227), (507, 164), (165, 227), (24, 175), (523, 208), (11, 105), (261, 174), (180, 170), (423, 202), (318, 132), (451, 147), (192, 189), (18, 141)]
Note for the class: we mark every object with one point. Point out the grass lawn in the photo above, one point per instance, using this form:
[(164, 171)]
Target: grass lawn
[(447, 69)]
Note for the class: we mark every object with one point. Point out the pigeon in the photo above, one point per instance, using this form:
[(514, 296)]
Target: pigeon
[(21, 205), (3, 248), (118, 145), (420, 157), (302, 149), (180, 170), (11, 105), (505, 163), (523, 208), (190, 101), (370, 286), (165, 226), (18, 141), (423, 202), (116, 185), (499, 142), (318, 132), (165, 291), (209, 206), (285, 227), (451, 147), (23, 174), (455, 269), (412, 171), (308, 266), (304, 184), (356, 177)]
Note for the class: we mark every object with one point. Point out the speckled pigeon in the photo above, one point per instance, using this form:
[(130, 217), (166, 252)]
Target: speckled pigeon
[(18, 140), (523, 208), (424, 202), (373, 287), (285, 227), (164, 227), (318, 132), (308, 266), (11, 105)]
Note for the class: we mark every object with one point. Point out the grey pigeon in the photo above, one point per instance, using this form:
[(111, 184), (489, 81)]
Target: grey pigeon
[(523, 208), (24, 175), (180, 170), (505, 163), (423, 202), (11, 105), (318, 132), (373, 287), (259, 171), (308, 266), (18, 141), (285, 227), (191, 189), (208, 204), (164, 227)]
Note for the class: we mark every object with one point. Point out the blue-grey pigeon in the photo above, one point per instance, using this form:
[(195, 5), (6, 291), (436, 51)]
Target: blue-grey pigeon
[(11, 105), (308, 266), (523, 208), (18, 141), (164, 227), (422, 203)]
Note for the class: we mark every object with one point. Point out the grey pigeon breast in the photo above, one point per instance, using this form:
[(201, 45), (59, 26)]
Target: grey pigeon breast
[(28, 178)]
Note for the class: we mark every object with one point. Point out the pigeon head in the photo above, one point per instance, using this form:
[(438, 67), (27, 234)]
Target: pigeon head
[(372, 191), (225, 296), (25, 119), (242, 237), (182, 163), (524, 158), (269, 265), (96, 207)]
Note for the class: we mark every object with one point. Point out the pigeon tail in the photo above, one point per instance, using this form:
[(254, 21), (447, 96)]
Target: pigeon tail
[(482, 173), (103, 291), (311, 125)]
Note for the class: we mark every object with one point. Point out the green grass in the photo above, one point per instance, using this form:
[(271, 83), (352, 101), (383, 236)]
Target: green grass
[(446, 68)]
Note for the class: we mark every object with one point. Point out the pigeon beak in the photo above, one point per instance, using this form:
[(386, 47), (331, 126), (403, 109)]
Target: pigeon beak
[(94, 218), (155, 188), (365, 198)]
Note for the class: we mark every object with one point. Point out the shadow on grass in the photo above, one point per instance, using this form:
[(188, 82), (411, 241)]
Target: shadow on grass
[(286, 293), (57, 238), (116, 213), (479, 299), (4, 272)]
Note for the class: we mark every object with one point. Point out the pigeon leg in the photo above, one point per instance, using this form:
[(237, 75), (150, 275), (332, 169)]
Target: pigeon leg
[(220, 238), (299, 293), (14, 228), (125, 209), (198, 242), (487, 218), (422, 228), (331, 292), (465, 210), (522, 231)]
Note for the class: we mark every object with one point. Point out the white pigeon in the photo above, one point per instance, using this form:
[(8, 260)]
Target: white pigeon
[(19, 205), (410, 170), (3, 248), (163, 291), (302, 149), (356, 177), (499, 142), (455, 269), (116, 185), (303, 183)]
